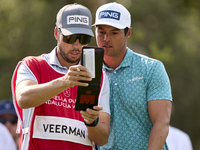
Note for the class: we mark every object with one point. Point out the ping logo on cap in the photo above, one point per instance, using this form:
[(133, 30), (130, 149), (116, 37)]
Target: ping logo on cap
[(78, 19), (109, 14)]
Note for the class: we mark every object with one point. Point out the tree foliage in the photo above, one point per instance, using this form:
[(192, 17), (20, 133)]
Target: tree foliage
[(167, 30)]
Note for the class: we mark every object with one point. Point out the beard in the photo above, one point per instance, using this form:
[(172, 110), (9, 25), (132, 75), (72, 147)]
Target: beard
[(66, 57)]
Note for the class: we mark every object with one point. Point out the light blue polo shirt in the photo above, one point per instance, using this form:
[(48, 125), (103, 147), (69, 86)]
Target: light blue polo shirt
[(136, 81)]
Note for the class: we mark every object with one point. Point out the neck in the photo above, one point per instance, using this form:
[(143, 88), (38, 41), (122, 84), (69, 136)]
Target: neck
[(114, 61)]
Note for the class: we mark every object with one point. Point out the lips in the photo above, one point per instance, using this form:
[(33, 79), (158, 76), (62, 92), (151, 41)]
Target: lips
[(75, 53), (106, 46)]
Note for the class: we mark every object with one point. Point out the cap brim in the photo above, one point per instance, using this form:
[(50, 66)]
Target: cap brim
[(70, 31), (118, 26), (8, 112)]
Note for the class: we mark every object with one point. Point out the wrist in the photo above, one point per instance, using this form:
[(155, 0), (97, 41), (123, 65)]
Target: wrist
[(93, 124)]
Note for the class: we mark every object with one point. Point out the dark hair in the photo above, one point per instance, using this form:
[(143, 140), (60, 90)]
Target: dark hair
[(126, 30)]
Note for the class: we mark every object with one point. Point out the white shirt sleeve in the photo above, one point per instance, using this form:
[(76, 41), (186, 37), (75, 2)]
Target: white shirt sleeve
[(24, 73), (6, 140), (104, 95), (178, 140)]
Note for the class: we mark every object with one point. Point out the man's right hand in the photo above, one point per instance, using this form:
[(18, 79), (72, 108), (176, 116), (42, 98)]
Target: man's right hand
[(76, 74)]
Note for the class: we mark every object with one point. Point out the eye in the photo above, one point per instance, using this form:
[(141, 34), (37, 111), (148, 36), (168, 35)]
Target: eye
[(114, 33), (101, 32)]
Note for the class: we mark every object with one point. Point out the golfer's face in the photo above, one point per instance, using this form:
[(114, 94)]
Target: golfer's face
[(111, 39)]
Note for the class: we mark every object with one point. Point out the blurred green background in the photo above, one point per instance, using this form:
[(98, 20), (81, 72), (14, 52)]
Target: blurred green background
[(168, 30)]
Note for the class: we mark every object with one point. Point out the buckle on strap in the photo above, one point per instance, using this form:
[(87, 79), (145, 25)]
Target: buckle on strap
[(25, 130)]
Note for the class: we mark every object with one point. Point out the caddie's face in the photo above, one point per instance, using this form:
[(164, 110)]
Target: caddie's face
[(113, 40), (70, 53)]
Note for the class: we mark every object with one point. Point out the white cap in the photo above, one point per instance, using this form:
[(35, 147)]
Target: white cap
[(113, 14)]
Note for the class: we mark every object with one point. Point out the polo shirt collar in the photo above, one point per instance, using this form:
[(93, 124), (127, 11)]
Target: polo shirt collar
[(126, 61), (53, 59)]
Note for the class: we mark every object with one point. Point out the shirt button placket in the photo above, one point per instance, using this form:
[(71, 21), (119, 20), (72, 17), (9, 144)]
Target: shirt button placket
[(115, 77)]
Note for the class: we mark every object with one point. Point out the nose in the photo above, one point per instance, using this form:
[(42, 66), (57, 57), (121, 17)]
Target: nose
[(76, 44), (106, 37)]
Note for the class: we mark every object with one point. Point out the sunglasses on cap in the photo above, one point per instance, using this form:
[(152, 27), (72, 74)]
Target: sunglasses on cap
[(11, 120), (71, 39)]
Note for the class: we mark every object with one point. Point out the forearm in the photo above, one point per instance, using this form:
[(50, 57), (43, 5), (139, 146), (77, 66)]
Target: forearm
[(100, 133), (158, 136), (36, 94), (159, 112), (30, 94)]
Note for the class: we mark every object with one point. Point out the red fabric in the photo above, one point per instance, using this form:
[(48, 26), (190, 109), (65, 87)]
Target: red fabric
[(45, 73)]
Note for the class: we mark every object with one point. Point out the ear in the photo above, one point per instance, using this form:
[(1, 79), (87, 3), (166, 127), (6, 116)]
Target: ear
[(129, 32), (56, 33)]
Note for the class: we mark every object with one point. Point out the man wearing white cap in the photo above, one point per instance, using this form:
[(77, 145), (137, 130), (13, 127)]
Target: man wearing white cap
[(45, 89), (140, 92)]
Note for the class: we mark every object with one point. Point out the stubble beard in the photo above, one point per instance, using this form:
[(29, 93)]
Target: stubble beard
[(66, 57)]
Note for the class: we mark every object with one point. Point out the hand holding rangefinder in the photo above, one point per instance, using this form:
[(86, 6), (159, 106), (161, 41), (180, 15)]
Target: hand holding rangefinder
[(92, 59)]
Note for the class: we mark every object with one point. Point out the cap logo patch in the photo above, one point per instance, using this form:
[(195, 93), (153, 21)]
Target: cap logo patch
[(78, 19), (109, 14)]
